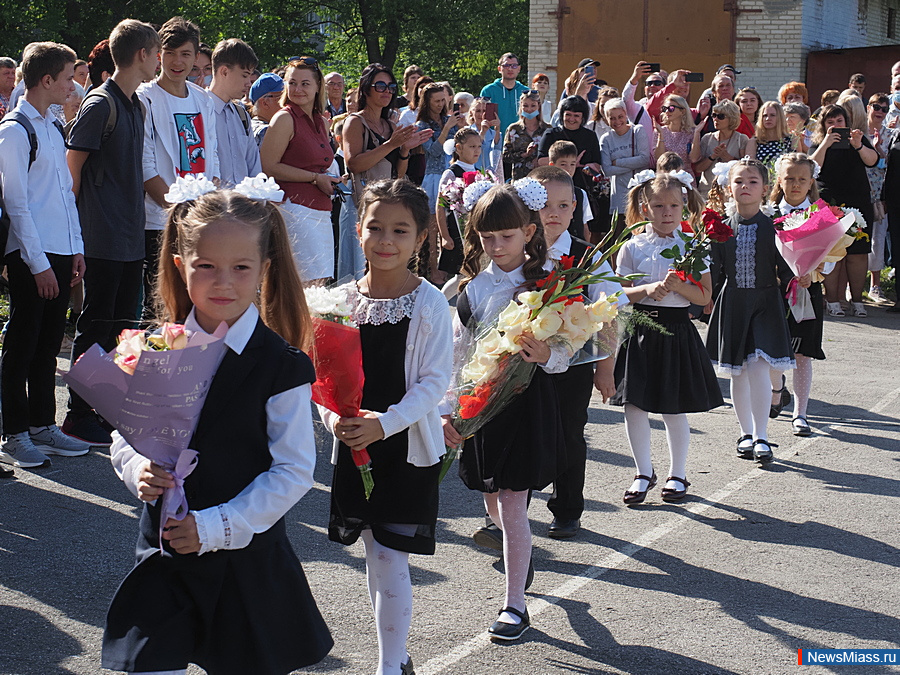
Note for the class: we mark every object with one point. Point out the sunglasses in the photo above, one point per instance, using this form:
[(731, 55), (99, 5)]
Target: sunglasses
[(881, 108), (654, 83), (670, 108), (719, 116), (382, 87), (305, 60)]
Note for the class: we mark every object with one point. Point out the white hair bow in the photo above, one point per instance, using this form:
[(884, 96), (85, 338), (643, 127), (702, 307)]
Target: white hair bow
[(532, 193), (720, 171), (188, 188), (260, 187), (641, 177)]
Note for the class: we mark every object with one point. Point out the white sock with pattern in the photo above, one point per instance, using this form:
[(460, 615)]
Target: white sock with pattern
[(390, 589), (512, 511), (802, 384)]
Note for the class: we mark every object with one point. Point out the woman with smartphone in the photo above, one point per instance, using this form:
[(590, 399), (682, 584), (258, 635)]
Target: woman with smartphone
[(521, 145), (844, 153), (488, 127)]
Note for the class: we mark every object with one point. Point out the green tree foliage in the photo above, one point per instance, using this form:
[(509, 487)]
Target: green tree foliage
[(457, 40)]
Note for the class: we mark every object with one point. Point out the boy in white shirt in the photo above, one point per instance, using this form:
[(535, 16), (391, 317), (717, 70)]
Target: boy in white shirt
[(44, 258), (179, 134)]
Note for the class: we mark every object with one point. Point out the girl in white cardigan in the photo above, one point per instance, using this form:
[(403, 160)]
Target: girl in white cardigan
[(407, 345)]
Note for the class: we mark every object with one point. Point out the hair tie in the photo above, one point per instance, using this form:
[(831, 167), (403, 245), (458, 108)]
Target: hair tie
[(720, 171), (532, 193), (261, 188), (188, 188), (474, 192), (641, 177)]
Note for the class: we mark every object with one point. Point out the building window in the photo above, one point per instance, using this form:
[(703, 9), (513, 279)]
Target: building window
[(892, 23)]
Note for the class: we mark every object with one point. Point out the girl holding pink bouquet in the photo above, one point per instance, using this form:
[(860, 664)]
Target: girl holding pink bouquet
[(406, 336), (466, 151), (229, 594), (748, 333), (795, 188), (667, 373), (522, 448)]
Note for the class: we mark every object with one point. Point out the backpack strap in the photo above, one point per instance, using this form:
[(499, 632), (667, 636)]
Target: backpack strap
[(243, 114), (19, 117)]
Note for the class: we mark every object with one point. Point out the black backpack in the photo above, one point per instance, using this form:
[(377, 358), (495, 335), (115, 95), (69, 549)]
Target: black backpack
[(18, 117)]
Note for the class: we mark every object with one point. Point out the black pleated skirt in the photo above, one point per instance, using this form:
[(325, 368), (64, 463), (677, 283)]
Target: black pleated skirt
[(230, 612), (666, 374), (806, 336), (520, 449), (451, 260)]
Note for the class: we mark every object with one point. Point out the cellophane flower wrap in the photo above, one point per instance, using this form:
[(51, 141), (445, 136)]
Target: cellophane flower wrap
[(692, 263), (337, 356), (807, 238), (451, 195), (493, 372), (152, 388)]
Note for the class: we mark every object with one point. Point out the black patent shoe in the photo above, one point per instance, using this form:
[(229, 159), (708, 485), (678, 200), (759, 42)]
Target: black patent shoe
[(673, 495), (564, 529), (638, 496), (784, 399), (407, 668), (510, 631), (762, 450), (745, 447), (489, 536)]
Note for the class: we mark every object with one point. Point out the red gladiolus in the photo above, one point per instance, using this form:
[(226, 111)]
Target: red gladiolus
[(567, 262), (472, 404)]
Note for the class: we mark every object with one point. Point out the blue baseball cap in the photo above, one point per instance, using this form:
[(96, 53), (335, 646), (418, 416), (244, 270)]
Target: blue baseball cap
[(266, 83)]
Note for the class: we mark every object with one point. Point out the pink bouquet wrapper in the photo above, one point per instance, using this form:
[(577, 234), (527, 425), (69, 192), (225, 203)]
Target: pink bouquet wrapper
[(804, 248), (157, 408)]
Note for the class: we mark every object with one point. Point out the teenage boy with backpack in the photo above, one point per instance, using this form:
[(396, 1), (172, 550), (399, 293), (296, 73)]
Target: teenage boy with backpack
[(233, 63), (106, 145), (44, 258)]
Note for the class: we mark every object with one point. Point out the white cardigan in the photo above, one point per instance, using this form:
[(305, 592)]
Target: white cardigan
[(428, 365)]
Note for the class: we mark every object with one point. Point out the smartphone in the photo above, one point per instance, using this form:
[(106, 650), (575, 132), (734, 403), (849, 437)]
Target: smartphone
[(343, 189), (490, 111), (456, 107), (589, 71), (844, 132), (693, 77), (654, 67)]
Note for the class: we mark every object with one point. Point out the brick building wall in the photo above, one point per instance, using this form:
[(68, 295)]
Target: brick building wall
[(543, 41)]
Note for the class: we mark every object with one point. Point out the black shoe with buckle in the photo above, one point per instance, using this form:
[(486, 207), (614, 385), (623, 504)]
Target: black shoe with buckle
[(407, 668), (745, 447), (564, 529), (784, 399), (500, 630)]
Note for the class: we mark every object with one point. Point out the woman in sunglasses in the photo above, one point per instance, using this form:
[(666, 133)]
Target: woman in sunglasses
[(676, 132), (297, 153), (374, 148), (722, 145)]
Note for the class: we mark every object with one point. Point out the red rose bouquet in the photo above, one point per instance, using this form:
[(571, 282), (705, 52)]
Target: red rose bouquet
[(691, 264)]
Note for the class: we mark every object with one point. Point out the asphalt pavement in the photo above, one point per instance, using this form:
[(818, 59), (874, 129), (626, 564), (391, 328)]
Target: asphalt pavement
[(756, 563)]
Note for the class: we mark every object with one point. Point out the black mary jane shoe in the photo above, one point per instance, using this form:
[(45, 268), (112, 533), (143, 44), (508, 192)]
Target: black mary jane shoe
[(564, 529), (762, 450), (745, 447), (500, 630), (407, 668), (673, 495), (784, 399), (638, 496), (800, 427)]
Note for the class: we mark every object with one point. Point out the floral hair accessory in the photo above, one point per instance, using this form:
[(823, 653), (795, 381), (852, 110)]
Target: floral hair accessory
[(474, 192), (261, 187), (721, 170), (532, 193), (187, 188), (683, 177), (641, 177)]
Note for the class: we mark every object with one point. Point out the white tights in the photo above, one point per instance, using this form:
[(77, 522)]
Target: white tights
[(678, 436), (751, 395), (802, 384), (509, 510), (390, 590)]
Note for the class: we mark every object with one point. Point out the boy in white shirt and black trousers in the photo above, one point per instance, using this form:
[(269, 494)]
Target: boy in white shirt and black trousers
[(44, 258)]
